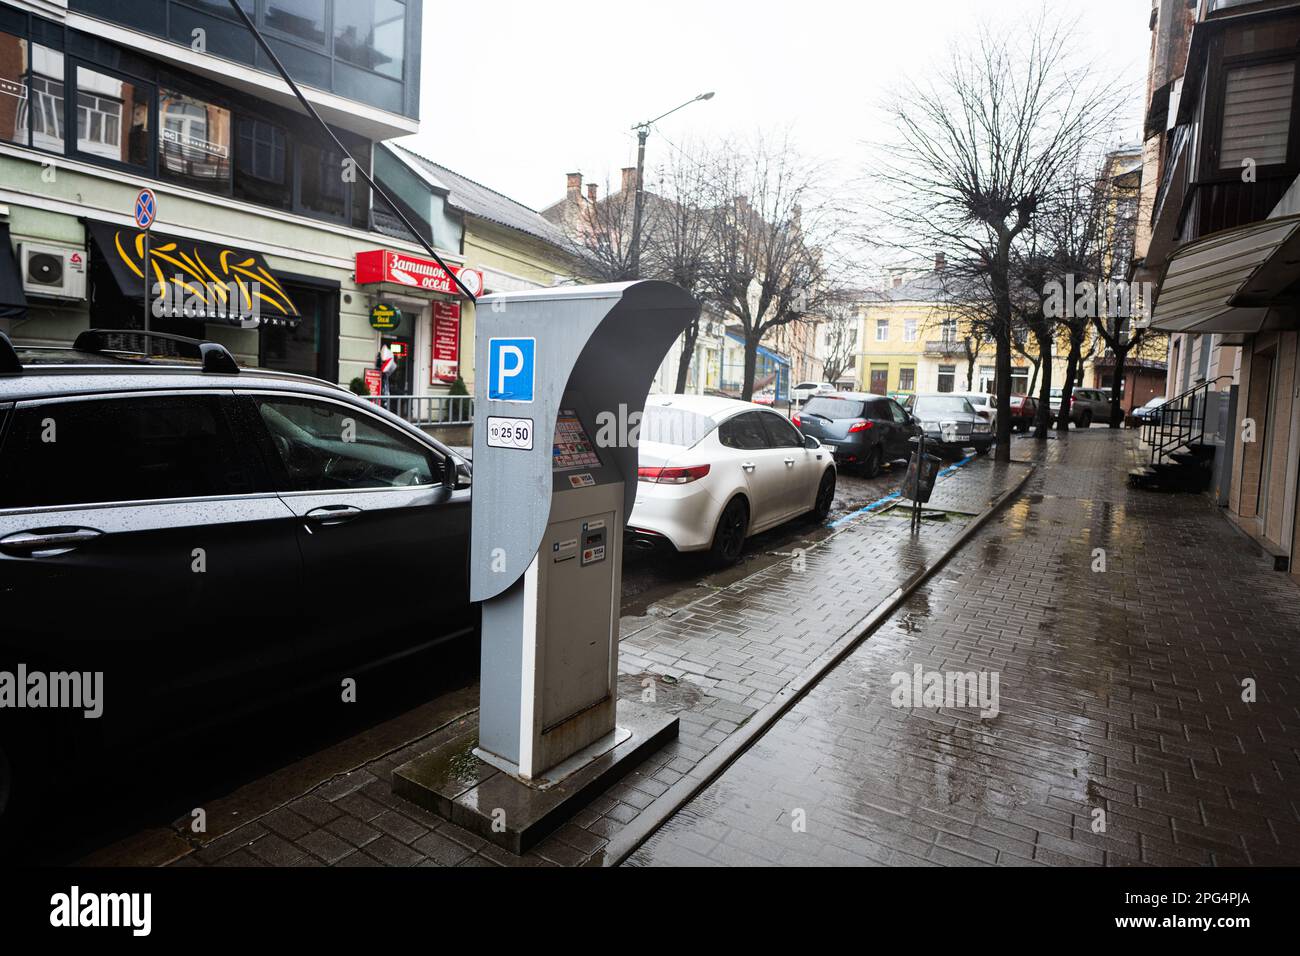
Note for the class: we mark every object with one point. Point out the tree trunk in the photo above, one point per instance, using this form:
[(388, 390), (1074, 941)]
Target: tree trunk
[(1067, 387), (1042, 416), (1116, 390), (1003, 452), (751, 366), (689, 338)]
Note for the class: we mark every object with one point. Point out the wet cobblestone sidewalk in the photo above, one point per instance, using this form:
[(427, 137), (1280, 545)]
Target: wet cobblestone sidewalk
[(1120, 693), (714, 662)]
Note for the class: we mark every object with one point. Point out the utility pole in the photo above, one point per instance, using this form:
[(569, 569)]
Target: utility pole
[(642, 133)]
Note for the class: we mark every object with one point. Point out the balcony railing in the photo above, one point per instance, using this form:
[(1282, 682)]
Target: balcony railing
[(944, 346)]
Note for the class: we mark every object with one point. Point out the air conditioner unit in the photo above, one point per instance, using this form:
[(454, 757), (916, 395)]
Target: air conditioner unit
[(56, 272)]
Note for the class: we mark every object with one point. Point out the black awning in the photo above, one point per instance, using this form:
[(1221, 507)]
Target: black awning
[(13, 301), (200, 280)]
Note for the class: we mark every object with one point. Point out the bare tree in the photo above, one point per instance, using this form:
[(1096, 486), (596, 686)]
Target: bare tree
[(980, 150), (600, 234), (770, 267), (680, 244), (841, 325)]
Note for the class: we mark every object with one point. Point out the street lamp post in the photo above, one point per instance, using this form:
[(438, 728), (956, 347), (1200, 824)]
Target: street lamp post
[(642, 132)]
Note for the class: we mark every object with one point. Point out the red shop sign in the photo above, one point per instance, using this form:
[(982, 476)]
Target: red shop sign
[(384, 265), (446, 342)]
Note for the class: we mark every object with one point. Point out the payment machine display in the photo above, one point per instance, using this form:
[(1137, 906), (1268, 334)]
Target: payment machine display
[(572, 447)]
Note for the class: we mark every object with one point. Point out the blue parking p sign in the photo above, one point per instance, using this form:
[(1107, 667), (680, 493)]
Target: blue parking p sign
[(510, 369)]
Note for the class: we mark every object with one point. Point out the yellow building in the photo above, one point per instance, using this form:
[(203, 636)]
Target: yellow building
[(912, 340)]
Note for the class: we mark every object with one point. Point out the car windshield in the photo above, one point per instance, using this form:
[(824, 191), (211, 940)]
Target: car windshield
[(942, 405), (834, 408), (674, 426)]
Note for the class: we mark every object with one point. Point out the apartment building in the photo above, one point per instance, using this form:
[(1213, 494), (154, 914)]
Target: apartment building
[(100, 99), (1221, 239)]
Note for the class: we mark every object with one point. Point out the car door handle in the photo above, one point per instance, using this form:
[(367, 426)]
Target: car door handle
[(47, 542), (748, 466), (789, 462), (332, 514)]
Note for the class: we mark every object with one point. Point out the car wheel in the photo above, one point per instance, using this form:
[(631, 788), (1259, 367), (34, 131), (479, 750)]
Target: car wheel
[(1086, 420), (825, 496), (871, 466), (729, 537)]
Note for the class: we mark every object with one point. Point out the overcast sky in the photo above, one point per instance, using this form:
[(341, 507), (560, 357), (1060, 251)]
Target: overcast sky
[(519, 92)]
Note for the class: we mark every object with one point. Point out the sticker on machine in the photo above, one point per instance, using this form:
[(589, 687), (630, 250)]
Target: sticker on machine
[(514, 433), (582, 481)]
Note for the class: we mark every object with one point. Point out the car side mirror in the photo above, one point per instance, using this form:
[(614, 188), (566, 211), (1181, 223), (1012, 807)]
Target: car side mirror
[(811, 442), (455, 474)]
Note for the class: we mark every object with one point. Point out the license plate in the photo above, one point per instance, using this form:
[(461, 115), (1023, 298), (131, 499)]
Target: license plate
[(829, 446)]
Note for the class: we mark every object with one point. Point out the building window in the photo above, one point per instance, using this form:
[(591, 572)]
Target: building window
[(13, 88), (1019, 381), (907, 379), (262, 163), (302, 19), (321, 190), (947, 378), (371, 35), (1257, 114), (948, 330), (194, 141), (882, 330), (45, 98), (909, 330), (112, 118)]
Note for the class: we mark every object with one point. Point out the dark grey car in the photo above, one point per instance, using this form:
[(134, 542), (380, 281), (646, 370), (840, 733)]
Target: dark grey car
[(863, 431), (209, 539), (951, 424)]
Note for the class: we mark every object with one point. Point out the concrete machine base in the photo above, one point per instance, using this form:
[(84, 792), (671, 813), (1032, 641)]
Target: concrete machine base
[(455, 783)]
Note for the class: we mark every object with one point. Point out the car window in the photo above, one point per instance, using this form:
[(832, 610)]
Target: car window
[(744, 432), (674, 426), (139, 448), (896, 412), (835, 408), (942, 405), (323, 446), (781, 434)]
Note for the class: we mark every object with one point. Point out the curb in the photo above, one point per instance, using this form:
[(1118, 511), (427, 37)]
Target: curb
[(656, 814)]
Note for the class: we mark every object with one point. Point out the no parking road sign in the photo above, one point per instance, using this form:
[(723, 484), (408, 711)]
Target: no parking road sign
[(146, 208)]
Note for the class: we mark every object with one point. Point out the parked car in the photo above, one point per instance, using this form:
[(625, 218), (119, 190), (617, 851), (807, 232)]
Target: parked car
[(1087, 405), (714, 471), (806, 390), (1148, 413), (1023, 412), (863, 431), (766, 397), (209, 539), (951, 424)]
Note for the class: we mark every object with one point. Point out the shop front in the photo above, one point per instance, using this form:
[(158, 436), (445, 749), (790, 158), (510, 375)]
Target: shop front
[(415, 310)]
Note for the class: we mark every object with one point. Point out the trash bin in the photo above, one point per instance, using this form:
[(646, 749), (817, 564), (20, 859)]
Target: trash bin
[(918, 484)]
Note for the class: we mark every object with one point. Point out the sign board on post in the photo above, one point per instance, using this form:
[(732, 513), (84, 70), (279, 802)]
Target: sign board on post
[(146, 208), (445, 364), (384, 317), (374, 380)]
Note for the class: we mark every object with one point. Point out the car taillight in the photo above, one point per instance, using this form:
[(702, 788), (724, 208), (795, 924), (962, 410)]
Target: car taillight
[(860, 427), (798, 422), (672, 476)]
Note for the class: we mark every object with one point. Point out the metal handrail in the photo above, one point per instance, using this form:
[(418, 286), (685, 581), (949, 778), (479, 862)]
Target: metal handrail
[(428, 409), (1180, 422)]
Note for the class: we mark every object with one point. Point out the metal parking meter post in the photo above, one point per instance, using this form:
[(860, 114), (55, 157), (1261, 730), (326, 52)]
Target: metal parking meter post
[(563, 378)]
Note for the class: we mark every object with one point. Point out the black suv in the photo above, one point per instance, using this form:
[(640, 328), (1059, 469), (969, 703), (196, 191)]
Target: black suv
[(861, 430), (206, 537)]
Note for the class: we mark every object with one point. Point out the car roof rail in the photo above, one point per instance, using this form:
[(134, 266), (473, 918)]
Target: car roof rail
[(9, 364), (214, 356)]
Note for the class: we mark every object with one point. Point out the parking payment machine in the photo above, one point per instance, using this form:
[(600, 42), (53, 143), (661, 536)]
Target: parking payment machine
[(562, 377)]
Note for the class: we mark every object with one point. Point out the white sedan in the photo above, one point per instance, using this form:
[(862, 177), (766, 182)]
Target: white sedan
[(714, 471)]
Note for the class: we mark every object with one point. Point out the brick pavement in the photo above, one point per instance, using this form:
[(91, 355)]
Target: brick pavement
[(1121, 691), (714, 662)]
